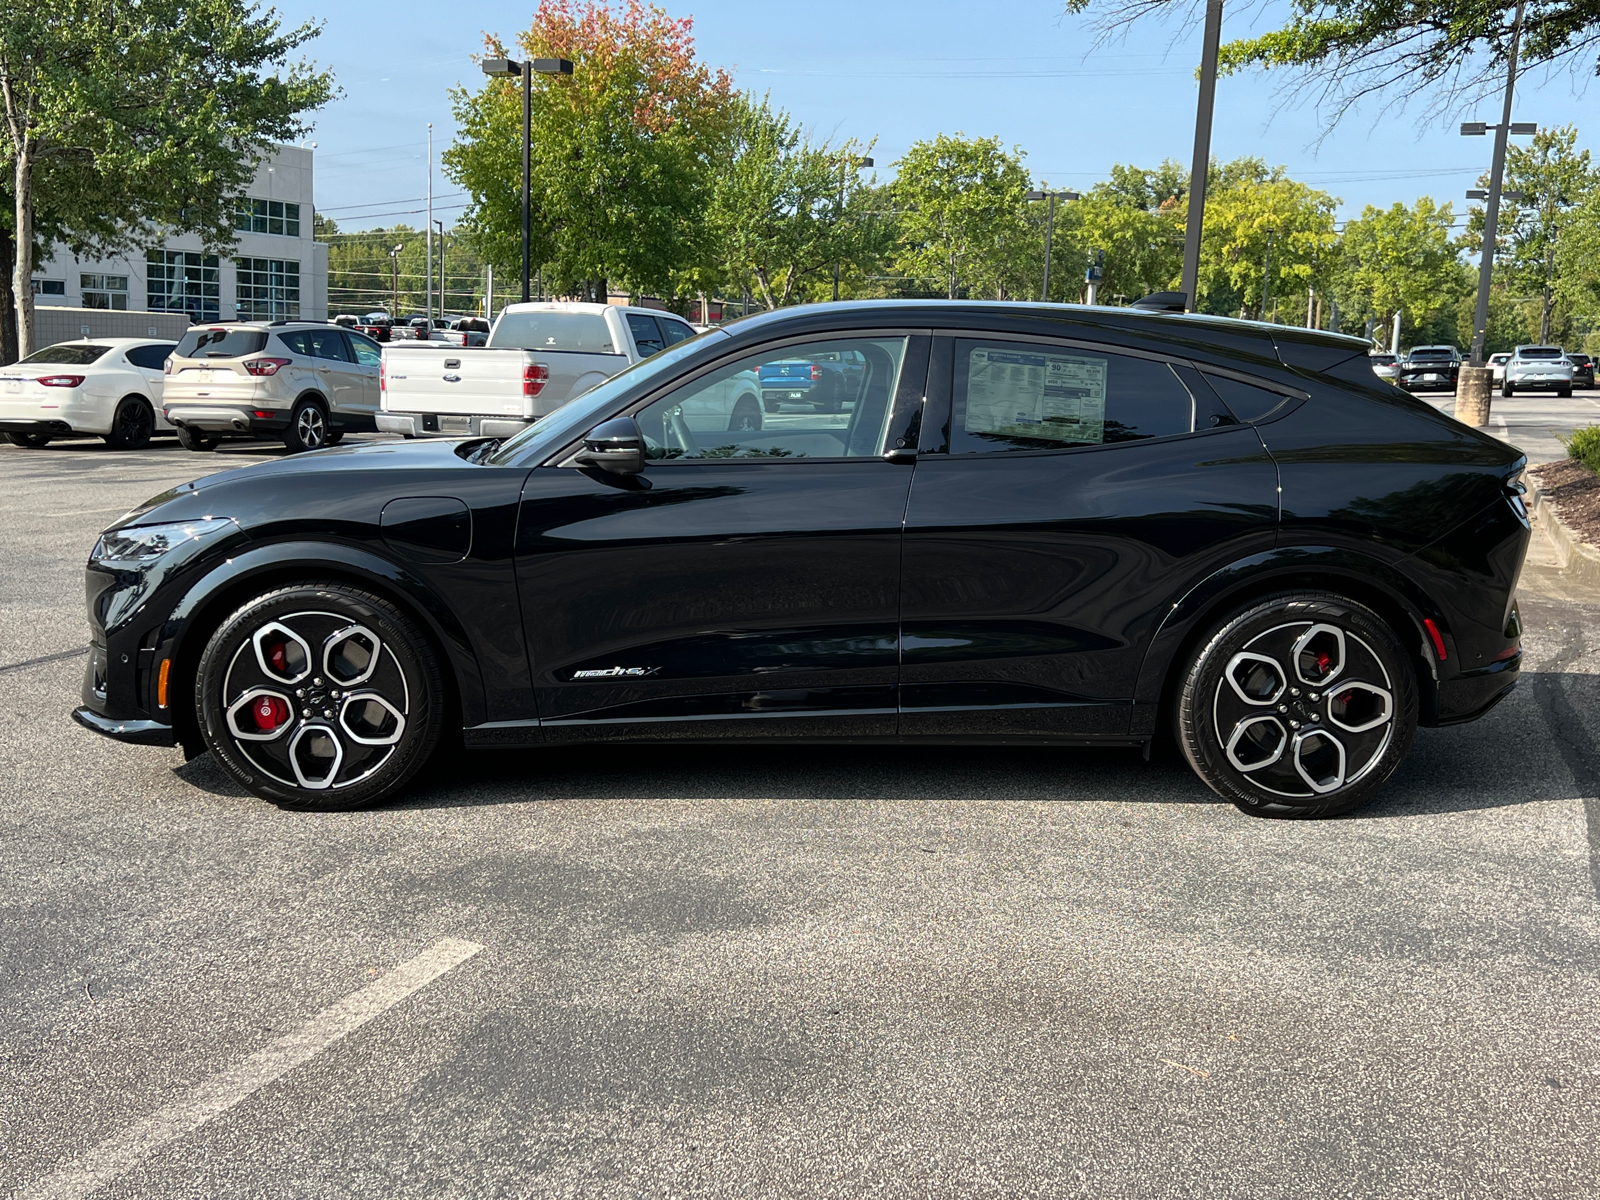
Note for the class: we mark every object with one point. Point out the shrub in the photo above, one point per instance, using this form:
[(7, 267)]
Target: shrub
[(1584, 445)]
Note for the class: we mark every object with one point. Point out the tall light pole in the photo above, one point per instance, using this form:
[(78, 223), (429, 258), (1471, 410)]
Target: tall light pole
[(394, 257), (443, 286), (1049, 227), (843, 162), (1266, 276), (1201, 163), (1491, 213), (428, 271), (534, 66)]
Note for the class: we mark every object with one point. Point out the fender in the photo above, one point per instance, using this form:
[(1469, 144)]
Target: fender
[(347, 561), (1291, 564)]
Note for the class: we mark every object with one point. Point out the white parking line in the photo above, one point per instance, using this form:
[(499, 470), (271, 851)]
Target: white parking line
[(222, 1091)]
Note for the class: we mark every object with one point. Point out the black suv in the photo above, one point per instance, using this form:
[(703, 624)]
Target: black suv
[(1430, 369), (1025, 524)]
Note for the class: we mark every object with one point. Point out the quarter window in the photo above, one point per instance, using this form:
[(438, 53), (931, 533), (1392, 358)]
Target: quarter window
[(268, 288), (826, 399), (1245, 400), (1025, 396), (182, 281), (676, 331), (150, 357)]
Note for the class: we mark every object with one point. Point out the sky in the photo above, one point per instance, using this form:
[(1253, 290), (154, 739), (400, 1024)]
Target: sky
[(897, 71)]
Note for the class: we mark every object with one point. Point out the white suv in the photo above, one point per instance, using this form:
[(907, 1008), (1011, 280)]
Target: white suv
[(307, 382), (1538, 368)]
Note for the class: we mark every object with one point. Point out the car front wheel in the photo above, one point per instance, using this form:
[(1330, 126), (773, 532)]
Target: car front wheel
[(319, 696), (746, 417), (1300, 705)]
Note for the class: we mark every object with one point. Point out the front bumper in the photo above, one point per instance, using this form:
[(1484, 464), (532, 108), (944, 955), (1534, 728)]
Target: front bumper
[(448, 425), (137, 733)]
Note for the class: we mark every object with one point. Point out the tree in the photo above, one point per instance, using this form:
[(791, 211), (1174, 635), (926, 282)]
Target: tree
[(1352, 49), (781, 208), (1136, 217), (1400, 259), (122, 116), (1246, 203), (624, 149), (962, 213)]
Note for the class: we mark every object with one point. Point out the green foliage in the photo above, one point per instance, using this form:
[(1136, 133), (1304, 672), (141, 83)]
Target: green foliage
[(624, 151), (128, 117), (961, 215), (1245, 200), (1584, 445), (1402, 259), (361, 271), (1137, 218)]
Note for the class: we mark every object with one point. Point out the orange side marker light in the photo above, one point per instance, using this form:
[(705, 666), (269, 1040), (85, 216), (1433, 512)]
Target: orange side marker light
[(161, 683)]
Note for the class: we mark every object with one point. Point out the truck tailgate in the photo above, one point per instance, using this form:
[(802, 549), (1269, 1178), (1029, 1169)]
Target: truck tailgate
[(455, 380)]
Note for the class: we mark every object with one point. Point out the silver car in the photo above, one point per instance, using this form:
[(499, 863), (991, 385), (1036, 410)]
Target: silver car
[(305, 382), (1538, 369), (1385, 366)]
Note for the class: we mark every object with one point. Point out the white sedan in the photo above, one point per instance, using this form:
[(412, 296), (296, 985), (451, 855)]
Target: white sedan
[(110, 387)]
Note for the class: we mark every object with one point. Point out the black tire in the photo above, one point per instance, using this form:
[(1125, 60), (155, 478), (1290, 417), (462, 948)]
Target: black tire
[(1266, 735), (771, 406), (132, 425), (30, 441), (1565, 393), (1507, 391), (195, 439), (318, 741), (746, 417), (334, 437), (308, 426)]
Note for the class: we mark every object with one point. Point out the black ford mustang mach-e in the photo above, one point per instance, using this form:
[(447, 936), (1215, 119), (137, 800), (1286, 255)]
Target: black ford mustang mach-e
[(1026, 524)]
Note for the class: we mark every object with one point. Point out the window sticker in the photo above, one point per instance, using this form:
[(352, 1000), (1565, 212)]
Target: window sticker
[(1057, 397)]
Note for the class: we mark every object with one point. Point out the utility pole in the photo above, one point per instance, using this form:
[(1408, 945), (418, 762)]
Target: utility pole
[(488, 296), (1266, 277), (1491, 214), (394, 257), (1201, 163), (429, 247), (443, 286), (843, 163)]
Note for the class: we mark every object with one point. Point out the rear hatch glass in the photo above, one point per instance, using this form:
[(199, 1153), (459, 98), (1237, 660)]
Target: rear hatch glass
[(221, 343), (1540, 352), (69, 354), (1431, 356), (583, 332)]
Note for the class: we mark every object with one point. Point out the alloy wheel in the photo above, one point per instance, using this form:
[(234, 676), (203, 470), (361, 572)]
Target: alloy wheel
[(1304, 709), (311, 427)]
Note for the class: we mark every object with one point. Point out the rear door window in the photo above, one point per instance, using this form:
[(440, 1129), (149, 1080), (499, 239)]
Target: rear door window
[(368, 352), (317, 343), (676, 331), (1027, 396), (646, 334)]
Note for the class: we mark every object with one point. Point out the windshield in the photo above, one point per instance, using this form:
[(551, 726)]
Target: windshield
[(581, 415), (72, 354), (1539, 352), (220, 343), (548, 329)]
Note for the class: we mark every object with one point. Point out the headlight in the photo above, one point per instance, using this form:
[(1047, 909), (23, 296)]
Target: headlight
[(136, 544)]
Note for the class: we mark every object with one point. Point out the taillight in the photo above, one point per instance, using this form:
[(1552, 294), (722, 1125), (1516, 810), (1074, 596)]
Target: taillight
[(265, 366), (383, 377), (816, 373), (166, 366), (534, 377), (61, 380)]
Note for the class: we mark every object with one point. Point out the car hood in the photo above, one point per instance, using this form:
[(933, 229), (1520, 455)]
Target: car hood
[(188, 499)]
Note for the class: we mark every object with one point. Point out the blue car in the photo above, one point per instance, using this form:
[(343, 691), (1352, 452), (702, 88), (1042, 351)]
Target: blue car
[(824, 380)]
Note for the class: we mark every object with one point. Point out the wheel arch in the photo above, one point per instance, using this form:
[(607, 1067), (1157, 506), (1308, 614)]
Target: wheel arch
[(1397, 601), (209, 602)]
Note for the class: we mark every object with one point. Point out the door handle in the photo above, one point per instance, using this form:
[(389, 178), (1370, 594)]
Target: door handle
[(901, 456)]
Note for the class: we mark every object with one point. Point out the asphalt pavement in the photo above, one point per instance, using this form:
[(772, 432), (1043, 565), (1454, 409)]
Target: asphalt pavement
[(718, 972)]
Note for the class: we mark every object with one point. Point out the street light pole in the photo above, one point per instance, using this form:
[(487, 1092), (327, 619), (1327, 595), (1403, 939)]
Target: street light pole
[(526, 71), (1201, 164), (394, 257), (429, 239), (1049, 227), (843, 163), (1266, 277), (442, 284), (1491, 214)]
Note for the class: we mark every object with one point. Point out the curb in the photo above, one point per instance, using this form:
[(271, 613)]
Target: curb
[(1579, 560)]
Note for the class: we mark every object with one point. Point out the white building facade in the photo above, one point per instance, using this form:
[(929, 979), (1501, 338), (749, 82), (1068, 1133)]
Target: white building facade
[(276, 271)]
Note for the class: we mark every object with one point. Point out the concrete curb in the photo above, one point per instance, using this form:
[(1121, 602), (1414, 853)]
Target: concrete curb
[(1579, 560)]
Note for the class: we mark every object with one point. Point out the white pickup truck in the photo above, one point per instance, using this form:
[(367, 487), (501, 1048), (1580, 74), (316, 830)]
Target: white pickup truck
[(538, 357)]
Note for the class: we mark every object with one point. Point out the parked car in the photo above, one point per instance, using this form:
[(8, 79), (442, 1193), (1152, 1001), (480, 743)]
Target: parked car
[(822, 382), (1385, 366), (1537, 369), (108, 387), (1497, 367), (536, 358), (377, 326), (1028, 525), (1582, 370), (1430, 368), (468, 331), (305, 382), (348, 320)]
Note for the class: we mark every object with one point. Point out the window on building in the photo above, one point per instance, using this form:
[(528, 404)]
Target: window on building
[(268, 288), (183, 281), (104, 291), (49, 287), (267, 216)]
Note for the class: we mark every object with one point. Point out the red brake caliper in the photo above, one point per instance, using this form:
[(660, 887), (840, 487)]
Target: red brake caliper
[(270, 711), (279, 658), (1322, 662)]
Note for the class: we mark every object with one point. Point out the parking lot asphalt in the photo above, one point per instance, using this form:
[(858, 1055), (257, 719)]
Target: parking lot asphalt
[(759, 971)]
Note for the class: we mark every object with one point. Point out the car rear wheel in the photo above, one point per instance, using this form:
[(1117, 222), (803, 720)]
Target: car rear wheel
[(1300, 705), (194, 439), (308, 427), (319, 696), (746, 417), (1507, 391), (132, 425), (33, 441), (1565, 393)]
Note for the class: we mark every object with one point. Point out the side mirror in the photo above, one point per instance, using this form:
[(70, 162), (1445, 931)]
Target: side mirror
[(616, 446)]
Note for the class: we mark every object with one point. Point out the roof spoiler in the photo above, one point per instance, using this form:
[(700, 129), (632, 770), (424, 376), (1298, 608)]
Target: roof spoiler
[(1175, 302)]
